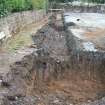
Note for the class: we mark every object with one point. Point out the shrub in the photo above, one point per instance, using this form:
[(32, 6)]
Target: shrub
[(20, 5), (38, 4), (8, 6)]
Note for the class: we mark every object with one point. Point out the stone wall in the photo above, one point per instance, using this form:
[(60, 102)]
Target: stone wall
[(15, 22)]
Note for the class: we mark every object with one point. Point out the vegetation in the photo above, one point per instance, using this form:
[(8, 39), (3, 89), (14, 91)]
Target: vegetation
[(9, 6)]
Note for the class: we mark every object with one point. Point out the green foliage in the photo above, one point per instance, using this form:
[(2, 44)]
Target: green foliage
[(20, 5), (3, 9), (38, 4), (8, 6)]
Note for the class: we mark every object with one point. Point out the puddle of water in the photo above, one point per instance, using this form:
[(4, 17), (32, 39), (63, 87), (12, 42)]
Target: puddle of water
[(89, 46)]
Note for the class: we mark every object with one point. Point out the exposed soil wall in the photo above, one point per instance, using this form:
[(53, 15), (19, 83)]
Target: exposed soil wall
[(56, 73), (89, 64), (15, 22)]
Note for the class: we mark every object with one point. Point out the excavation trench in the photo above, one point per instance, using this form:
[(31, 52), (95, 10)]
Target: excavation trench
[(56, 73)]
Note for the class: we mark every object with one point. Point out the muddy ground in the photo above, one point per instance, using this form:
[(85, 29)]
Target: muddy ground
[(44, 76)]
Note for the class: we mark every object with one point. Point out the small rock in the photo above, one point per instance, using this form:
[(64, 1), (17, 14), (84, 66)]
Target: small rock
[(56, 101)]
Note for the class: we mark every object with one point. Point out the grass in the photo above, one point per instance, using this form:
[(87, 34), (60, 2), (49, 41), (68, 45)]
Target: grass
[(23, 38), (19, 41)]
